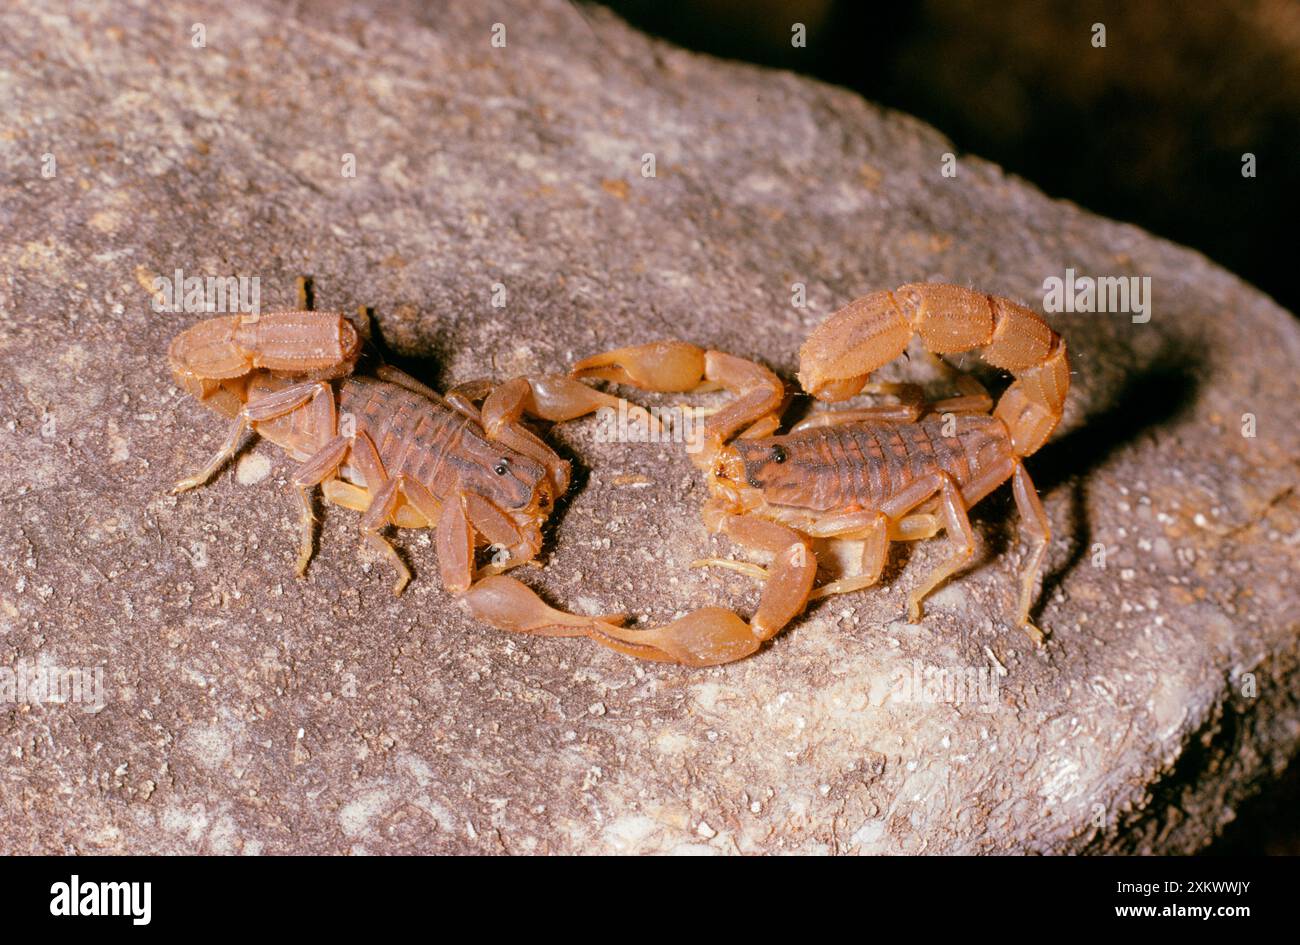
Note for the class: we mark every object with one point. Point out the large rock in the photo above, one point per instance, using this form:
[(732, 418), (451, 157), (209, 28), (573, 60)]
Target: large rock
[(249, 711)]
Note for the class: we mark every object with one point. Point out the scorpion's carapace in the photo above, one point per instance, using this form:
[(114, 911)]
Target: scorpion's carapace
[(895, 472), (384, 444)]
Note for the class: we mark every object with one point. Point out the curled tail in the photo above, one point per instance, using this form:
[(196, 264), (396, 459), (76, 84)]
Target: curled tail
[(838, 357)]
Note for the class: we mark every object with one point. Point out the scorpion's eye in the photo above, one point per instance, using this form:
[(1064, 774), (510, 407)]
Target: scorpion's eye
[(502, 467), (778, 454)]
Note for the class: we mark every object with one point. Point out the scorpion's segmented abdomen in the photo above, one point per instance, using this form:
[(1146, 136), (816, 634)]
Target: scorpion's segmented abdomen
[(862, 465)]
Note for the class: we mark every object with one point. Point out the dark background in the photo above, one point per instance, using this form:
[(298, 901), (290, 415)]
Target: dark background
[(1150, 129)]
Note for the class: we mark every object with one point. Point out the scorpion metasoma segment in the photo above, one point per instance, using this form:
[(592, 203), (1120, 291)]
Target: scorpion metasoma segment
[(889, 472), (384, 444)]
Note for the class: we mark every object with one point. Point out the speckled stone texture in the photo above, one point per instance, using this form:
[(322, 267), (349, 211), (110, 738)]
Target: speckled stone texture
[(247, 711)]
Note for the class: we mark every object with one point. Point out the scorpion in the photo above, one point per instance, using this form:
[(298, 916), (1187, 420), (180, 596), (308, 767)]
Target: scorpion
[(465, 464), (888, 472), (383, 443)]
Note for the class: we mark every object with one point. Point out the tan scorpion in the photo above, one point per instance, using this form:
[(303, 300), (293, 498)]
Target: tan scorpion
[(464, 464), (384, 444), (891, 472)]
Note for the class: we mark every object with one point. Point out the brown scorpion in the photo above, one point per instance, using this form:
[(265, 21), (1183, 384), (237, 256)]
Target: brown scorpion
[(464, 463), (890, 472), (384, 444)]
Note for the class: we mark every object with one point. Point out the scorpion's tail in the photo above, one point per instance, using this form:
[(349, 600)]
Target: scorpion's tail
[(838, 357)]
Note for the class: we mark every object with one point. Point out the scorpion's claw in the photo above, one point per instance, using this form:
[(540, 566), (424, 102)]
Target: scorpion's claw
[(708, 637), (667, 366), (551, 397), (508, 604)]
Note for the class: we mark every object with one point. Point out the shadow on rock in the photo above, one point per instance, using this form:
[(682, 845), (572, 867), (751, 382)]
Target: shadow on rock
[(1155, 396)]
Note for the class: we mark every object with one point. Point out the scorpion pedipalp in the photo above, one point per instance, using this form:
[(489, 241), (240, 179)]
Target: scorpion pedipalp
[(668, 366), (709, 636), (508, 604), (759, 394)]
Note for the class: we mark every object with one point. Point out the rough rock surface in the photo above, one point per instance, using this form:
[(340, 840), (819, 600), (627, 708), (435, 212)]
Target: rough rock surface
[(247, 711)]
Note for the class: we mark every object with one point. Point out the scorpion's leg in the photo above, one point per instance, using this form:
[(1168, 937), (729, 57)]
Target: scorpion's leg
[(228, 449), (383, 504), (313, 472), (349, 496), (385, 494), (319, 467), (675, 366), (957, 525), (875, 550), (266, 408), (917, 527), (395, 375), (1031, 512), (382, 512), (1036, 523)]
